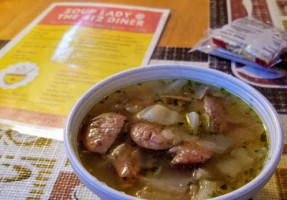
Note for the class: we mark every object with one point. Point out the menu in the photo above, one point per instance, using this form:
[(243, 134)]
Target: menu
[(63, 52)]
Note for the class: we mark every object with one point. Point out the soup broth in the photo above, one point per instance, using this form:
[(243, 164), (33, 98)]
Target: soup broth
[(173, 139)]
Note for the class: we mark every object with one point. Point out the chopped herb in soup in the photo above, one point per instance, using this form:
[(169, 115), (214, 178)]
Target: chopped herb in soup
[(173, 139)]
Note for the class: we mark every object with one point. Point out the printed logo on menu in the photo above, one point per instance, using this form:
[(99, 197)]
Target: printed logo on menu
[(18, 75)]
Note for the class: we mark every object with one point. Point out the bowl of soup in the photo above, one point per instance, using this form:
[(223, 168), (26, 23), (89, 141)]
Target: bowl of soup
[(173, 132)]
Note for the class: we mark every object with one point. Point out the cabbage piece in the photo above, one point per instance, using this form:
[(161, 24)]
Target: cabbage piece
[(160, 114), (175, 86), (207, 189), (243, 156), (191, 90), (193, 120), (239, 161), (215, 143), (193, 190), (200, 92), (229, 167), (200, 174), (170, 184)]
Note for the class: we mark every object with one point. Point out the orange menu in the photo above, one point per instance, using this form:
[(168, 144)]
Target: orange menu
[(63, 52)]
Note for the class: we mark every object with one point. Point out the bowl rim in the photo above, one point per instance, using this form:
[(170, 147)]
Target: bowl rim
[(261, 179)]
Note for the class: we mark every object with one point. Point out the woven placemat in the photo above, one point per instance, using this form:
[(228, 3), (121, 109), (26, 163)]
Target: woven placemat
[(36, 168)]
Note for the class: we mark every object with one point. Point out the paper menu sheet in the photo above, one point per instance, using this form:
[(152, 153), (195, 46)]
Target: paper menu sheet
[(65, 51)]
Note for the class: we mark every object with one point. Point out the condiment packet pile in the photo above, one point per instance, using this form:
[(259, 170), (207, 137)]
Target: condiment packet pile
[(247, 41)]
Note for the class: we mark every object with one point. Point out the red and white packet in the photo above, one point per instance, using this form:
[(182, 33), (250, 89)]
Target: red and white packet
[(246, 41)]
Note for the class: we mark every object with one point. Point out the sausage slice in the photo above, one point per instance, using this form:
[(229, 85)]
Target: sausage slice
[(151, 136), (189, 153), (102, 131), (217, 114), (126, 161)]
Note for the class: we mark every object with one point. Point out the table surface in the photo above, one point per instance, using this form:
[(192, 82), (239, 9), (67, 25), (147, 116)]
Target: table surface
[(37, 168)]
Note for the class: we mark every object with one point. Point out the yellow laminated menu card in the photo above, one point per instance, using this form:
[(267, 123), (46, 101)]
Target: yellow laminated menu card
[(63, 52)]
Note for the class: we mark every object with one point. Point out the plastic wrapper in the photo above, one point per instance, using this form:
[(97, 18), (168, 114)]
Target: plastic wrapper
[(247, 41)]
